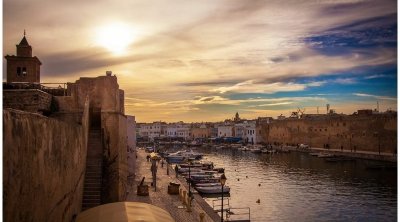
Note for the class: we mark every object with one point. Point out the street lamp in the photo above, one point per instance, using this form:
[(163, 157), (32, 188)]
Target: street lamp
[(190, 179), (222, 180), (376, 134)]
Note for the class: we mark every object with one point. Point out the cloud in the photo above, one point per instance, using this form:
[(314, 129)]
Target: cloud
[(251, 86), (210, 49), (376, 76), (345, 81), (375, 96)]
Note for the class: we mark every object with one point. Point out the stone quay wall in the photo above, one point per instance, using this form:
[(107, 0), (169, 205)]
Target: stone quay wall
[(372, 133), (44, 167)]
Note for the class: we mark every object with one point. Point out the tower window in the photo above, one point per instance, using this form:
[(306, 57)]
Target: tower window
[(24, 71), (18, 71)]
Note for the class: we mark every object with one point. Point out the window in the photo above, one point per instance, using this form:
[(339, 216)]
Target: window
[(24, 71), (18, 71)]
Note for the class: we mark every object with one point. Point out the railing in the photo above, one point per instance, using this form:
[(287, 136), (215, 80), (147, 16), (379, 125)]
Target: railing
[(234, 214), (52, 88), (237, 214)]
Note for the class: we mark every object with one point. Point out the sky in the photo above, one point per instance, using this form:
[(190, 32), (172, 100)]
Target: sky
[(205, 60)]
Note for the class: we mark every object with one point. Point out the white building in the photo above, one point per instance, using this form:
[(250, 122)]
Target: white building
[(251, 133), (152, 130), (225, 131), (179, 129)]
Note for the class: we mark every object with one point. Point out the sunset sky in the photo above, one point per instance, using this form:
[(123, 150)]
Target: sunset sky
[(205, 60)]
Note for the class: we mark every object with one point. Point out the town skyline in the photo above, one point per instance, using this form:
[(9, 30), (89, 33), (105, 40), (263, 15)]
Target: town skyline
[(185, 60)]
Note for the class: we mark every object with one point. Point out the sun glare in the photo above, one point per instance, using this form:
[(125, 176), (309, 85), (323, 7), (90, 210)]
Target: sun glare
[(115, 37)]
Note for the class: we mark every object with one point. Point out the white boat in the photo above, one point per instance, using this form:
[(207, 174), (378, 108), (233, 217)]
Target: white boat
[(244, 148), (180, 156), (256, 150), (325, 155), (213, 189), (208, 184)]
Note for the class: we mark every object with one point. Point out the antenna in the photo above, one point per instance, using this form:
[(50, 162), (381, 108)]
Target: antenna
[(24, 32), (377, 106)]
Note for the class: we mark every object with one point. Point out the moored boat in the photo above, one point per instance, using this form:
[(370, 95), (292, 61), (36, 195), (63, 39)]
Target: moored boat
[(213, 189)]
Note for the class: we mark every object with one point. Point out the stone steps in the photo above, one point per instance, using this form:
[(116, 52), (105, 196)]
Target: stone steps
[(93, 177)]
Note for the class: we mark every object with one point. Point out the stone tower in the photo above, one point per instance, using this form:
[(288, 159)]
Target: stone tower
[(237, 118), (23, 67)]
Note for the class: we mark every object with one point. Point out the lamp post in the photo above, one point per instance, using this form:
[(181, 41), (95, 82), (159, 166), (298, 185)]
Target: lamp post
[(376, 134), (190, 179), (222, 180)]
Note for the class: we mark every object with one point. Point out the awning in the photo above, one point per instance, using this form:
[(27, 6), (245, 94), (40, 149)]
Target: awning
[(125, 212)]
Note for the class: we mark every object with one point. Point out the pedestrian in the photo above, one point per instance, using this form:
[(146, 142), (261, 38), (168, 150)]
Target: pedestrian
[(148, 158), (176, 171), (162, 163)]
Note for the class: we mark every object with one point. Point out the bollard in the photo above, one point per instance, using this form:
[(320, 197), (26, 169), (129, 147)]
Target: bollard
[(180, 193), (202, 214), (184, 197), (189, 203)]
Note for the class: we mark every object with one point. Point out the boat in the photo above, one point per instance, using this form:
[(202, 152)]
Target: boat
[(208, 184), (244, 148), (255, 149), (213, 189), (325, 155), (181, 156)]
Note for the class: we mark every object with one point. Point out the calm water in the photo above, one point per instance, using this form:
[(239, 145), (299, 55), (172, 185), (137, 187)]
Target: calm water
[(299, 187)]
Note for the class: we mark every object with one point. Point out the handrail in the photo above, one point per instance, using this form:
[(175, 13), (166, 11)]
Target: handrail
[(230, 214)]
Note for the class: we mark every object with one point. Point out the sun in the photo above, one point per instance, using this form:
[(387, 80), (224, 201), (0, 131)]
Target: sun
[(115, 37)]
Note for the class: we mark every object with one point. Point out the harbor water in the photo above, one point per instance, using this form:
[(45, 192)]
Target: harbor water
[(299, 187)]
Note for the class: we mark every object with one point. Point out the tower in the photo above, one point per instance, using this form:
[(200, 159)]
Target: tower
[(237, 118), (23, 67)]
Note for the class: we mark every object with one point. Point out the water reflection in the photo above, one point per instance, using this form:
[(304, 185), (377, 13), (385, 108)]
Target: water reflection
[(299, 187)]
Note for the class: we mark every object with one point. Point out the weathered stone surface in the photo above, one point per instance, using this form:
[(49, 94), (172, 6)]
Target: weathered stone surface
[(44, 167), (363, 133), (30, 100)]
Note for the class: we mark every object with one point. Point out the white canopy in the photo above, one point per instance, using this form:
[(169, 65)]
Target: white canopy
[(125, 212)]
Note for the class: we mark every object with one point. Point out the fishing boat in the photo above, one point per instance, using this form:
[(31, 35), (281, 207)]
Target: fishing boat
[(325, 155), (213, 189), (208, 184), (181, 156)]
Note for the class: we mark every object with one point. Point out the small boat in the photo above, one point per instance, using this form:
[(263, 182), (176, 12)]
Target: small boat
[(244, 148), (213, 189), (325, 155), (208, 184), (256, 150)]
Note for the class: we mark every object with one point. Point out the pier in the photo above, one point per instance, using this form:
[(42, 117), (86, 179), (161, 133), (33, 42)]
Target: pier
[(162, 199)]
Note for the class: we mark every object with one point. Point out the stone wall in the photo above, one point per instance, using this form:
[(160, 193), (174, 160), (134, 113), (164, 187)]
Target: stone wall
[(30, 100), (368, 133), (44, 167), (115, 157)]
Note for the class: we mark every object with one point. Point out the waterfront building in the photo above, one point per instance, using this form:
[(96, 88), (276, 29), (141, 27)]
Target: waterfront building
[(225, 131), (178, 130), (152, 130), (201, 132)]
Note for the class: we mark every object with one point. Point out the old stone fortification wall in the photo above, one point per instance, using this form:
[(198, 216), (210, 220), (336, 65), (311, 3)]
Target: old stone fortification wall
[(115, 157), (30, 100), (44, 167), (106, 102), (368, 133)]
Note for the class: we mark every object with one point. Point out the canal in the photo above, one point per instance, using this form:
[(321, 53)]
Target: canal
[(299, 187)]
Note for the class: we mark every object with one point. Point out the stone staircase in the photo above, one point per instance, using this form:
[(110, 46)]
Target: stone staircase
[(93, 176)]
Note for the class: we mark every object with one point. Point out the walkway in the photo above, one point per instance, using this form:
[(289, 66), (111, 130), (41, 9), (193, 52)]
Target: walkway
[(161, 198)]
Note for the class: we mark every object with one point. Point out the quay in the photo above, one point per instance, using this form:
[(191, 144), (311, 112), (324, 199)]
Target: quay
[(162, 199), (383, 156)]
